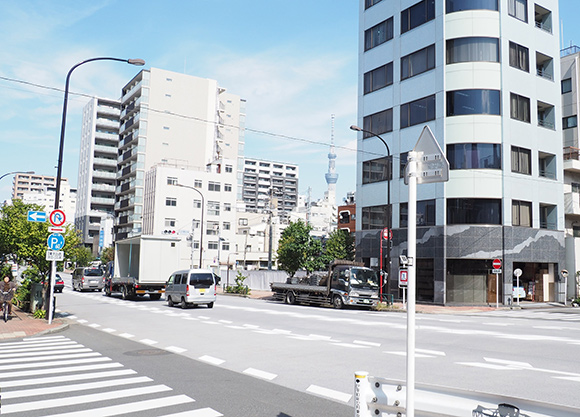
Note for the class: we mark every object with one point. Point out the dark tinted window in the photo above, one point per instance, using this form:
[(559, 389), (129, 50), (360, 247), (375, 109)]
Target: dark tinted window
[(463, 102), (521, 160), (374, 217), (519, 57), (473, 211), (379, 34), (93, 272), (377, 170), (378, 78), (418, 111), (369, 3), (520, 108), (425, 213), (417, 14), (566, 85), (459, 5), (474, 156), (381, 122), (473, 49), (201, 280), (418, 62)]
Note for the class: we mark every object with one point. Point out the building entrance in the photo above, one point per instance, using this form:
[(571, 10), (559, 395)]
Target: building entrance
[(537, 281)]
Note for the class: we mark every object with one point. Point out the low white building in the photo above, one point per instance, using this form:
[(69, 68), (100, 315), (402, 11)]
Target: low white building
[(45, 197)]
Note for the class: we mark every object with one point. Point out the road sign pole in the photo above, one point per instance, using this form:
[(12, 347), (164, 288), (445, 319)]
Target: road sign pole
[(411, 255), (50, 308)]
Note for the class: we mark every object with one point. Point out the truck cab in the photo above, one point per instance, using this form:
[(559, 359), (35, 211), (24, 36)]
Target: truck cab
[(354, 285)]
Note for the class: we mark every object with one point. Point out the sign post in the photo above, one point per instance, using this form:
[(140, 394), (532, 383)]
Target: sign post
[(518, 274), (496, 263), (426, 164), (55, 243), (403, 280)]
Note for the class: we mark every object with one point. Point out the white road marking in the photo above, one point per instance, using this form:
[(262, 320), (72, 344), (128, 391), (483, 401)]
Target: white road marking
[(202, 412), (504, 324), (94, 325), (127, 335), (122, 409), (66, 378), (204, 317), (484, 365), (211, 360), (53, 363), (401, 353), (66, 355), (510, 363), (82, 321), (260, 374), (351, 345), (39, 347), (148, 342), (430, 352), (109, 330), (76, 387), (329, 393), (46, 353), (175, 349), (226, 321), (363, 342)]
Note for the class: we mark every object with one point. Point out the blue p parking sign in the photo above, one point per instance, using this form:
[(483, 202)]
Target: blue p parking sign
[(55, 241)]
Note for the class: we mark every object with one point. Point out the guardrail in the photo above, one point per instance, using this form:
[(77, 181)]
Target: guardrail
[(374, 396)]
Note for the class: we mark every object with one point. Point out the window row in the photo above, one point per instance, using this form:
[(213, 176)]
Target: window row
[(462, 211), (413, 113)]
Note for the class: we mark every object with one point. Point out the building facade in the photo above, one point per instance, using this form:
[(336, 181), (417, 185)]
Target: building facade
[(24, 183), (45, 197), (269, 185), (97, 170), (173, 118), (570, 70), (484, 76)]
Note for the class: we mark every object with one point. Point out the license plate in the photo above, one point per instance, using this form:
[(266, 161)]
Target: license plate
[(202, 292)]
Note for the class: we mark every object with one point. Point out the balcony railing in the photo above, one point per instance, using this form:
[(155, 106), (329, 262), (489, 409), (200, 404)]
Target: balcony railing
[(569, 51), (544, 74), (546, 123), (571, 153), (544, 27)]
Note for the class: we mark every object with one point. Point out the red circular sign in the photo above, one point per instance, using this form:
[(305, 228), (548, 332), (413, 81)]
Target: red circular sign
[(387, 234), (57, 217), (496, 263)]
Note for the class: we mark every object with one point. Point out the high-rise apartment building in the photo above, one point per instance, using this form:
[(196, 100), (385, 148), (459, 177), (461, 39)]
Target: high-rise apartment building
[(570, 88), (269, 184), (24, 183), (485, 77), (97, 168), (173, 118)]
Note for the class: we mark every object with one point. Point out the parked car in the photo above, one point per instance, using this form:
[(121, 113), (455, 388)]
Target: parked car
[(58, 283), (191, 287), (89, 278)]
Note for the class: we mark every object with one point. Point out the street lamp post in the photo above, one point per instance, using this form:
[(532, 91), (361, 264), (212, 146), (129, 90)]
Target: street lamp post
[(139, 62), (389, 217), (16, 172), (200, 222)]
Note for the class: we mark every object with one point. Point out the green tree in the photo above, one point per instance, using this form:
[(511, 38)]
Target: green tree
[(108, 255), (23, 241), (340, 245), (298, 250), (80, 255)]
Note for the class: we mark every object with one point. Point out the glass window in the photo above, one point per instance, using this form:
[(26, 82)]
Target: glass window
[(170, 201), (521, 160), (462, 102), (378, 78), (212, 245), (519, 57), (566, 85), (418, 111), (227, 207), (521, 213), (474, 156), (418, 62), (377, 170), (213, 208), (213, 186), (473, 211), (369, 3), (403, 163), (474, 49), (229, 168), (374, 217), (381, 122), (518, 9), (197, 183), (169, 222), (569, 122), (425, 213), (417, 14), (379, 34), (460, 5), (197, 203), (227, 187), (520, 108), (171, 180)]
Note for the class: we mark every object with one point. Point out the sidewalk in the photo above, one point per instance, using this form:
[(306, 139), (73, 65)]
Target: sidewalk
[(21, 324)]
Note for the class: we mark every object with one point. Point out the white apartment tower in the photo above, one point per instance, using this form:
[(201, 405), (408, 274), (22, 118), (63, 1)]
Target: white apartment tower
[(570, 69), (485, 77), (97, 168), (176, 119)]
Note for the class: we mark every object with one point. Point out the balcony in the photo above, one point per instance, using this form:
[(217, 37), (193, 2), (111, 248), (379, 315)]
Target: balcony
[(543, 18), (107, 136), (571, 203), (105, 162), (113, 124), (110, 150), (103, 201), (108, 111), (104, 174), (103, 187), (132, 91), (571, 159)]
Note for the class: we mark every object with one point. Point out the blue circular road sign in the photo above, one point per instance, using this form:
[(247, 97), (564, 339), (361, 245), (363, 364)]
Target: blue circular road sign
[(55, 241)]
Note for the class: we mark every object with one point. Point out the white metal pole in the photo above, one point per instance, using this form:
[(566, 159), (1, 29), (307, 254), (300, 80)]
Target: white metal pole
[(518, 290), (496, 290), (51, 291), (411, 255)]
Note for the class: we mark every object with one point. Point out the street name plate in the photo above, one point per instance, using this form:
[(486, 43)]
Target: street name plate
[(54, 255)]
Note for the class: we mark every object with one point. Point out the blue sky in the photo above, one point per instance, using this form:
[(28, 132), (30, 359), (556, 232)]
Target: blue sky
[(295, 62)]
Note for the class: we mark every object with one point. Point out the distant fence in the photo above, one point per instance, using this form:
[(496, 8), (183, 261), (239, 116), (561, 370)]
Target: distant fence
[(258, 280)]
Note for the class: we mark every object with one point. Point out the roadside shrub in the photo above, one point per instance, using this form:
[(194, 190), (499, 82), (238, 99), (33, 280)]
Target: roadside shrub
[(22, 296), (239, 287), (40, 314)]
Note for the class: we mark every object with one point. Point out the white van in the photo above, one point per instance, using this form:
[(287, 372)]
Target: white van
[(191, 287)]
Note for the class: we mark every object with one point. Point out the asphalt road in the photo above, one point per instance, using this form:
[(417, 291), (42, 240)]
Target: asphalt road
[(316, 351)]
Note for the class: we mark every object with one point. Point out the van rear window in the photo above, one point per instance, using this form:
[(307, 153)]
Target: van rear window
[(93, 272), (198, 280)]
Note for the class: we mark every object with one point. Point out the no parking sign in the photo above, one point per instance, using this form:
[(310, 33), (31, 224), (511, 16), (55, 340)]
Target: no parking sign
[(403, 277)]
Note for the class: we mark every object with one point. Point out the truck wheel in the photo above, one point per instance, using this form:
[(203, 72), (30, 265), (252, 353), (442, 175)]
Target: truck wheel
[(108, 291), (169, 302), (154, 296), (290, 298), (124, 293), (337, 302), (183, 303)]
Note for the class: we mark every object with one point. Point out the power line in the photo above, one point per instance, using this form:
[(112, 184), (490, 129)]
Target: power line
[(248, 129)]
